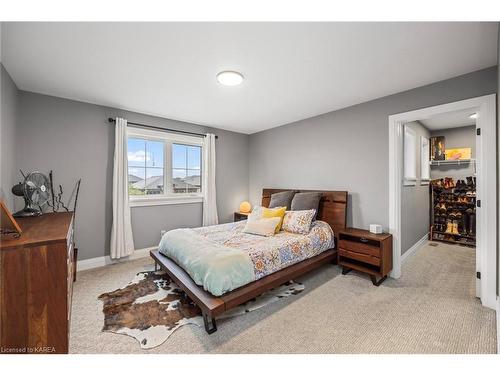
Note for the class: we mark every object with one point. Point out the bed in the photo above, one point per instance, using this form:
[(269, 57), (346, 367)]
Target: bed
[(235, 267)]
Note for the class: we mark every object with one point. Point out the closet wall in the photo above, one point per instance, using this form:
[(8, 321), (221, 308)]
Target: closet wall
[(456, 138), (415, 200)]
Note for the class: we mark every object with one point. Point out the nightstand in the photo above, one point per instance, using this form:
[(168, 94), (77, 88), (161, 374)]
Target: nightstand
[(238, 216), (366, 252)]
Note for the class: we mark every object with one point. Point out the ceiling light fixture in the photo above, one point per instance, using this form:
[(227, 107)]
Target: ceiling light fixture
[(474, 116), (229, 78)]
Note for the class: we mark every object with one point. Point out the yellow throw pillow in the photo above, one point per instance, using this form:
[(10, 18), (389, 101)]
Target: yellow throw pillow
[(274, 212)]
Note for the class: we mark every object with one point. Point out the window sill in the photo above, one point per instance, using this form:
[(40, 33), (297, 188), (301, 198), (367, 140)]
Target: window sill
[(160, 201)]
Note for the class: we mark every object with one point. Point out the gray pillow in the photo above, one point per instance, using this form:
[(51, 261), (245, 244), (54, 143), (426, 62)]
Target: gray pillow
[(306, 201), (283, 199)]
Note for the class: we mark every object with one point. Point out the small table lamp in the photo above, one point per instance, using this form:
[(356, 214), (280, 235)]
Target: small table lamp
[(245, 207)]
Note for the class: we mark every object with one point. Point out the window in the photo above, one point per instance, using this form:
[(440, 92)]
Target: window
[(163, 168), (425, 173), (410, 162), (186, 169), (145, 166)]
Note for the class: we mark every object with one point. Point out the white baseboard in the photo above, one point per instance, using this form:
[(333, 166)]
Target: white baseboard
[(88, 264), (412, 250)]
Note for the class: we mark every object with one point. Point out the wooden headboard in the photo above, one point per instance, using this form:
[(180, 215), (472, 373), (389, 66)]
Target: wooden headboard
[(332, 206)]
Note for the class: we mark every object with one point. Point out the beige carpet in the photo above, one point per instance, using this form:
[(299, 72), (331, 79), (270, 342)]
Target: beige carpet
[(430, 309)]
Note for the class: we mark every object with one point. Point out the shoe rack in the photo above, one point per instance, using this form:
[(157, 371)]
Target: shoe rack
[(453, 210)]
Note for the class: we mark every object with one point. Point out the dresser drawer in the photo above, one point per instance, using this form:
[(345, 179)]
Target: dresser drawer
[(361, 245), (370, 259)]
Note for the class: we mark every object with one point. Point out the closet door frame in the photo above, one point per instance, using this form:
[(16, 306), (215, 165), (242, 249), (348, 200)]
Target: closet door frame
[(486, 176)]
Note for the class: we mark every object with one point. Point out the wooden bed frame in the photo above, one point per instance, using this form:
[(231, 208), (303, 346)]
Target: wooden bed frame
[(332, 209)]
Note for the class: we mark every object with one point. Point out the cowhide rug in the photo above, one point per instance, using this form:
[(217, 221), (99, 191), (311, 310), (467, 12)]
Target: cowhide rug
[(151, 307)]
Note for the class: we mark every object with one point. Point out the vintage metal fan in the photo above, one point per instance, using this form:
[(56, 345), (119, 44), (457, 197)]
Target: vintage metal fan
[(35, 191)]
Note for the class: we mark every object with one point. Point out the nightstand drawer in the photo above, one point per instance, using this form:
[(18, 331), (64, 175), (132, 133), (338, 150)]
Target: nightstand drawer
[(365, 252), (360, 257), (360, 246), (238, 216)]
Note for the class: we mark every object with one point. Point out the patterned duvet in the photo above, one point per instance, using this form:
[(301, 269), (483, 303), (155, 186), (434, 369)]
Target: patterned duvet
[(222, 258)]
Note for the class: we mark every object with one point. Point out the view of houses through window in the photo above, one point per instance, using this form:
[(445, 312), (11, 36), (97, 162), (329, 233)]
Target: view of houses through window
[(145, 166), (149, 171), (186, 168)]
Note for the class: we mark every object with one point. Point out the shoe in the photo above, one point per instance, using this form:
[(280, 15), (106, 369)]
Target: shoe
[(470, 183), (437, 184), (449, 227), (472, 224), (463, 224)]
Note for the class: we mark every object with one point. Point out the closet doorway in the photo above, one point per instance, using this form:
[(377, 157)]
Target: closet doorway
[(443, 160)]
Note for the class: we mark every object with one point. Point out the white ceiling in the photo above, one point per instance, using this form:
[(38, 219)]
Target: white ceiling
[(448, 120), (292, 70)]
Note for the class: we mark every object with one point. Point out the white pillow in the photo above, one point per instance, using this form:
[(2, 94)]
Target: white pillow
[(262, 227), (256, 213)]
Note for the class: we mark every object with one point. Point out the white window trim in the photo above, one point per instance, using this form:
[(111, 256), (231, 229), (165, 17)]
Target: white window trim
[(168, 139), (161, 200), (409, 180), (424, 160)]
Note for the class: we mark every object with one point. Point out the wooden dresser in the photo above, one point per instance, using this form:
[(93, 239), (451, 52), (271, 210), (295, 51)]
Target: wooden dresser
[(366, 252), (37, 285)]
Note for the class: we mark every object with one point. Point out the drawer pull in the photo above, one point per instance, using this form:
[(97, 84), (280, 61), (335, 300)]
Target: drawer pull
[(364, 240)]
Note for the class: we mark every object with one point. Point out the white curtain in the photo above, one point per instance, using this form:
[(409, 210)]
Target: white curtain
[(122, 241), (209, 196)]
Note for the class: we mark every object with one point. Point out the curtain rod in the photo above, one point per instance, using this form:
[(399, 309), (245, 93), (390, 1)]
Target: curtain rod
[(110, 119)]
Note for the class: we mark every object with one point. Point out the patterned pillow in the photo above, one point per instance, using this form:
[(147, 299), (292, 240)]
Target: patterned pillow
[(298, 221)]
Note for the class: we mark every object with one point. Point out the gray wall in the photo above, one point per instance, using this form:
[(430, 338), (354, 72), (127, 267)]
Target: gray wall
[(415, 200), (8, 118), (454, 138), (348, 149), (342, 150), (75, 140)]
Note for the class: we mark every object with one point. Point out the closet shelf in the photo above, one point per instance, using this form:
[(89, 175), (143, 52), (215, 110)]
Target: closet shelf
[(435, 163)]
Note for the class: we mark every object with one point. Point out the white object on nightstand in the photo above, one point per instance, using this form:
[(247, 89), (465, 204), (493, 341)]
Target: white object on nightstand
[(376, 228)]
